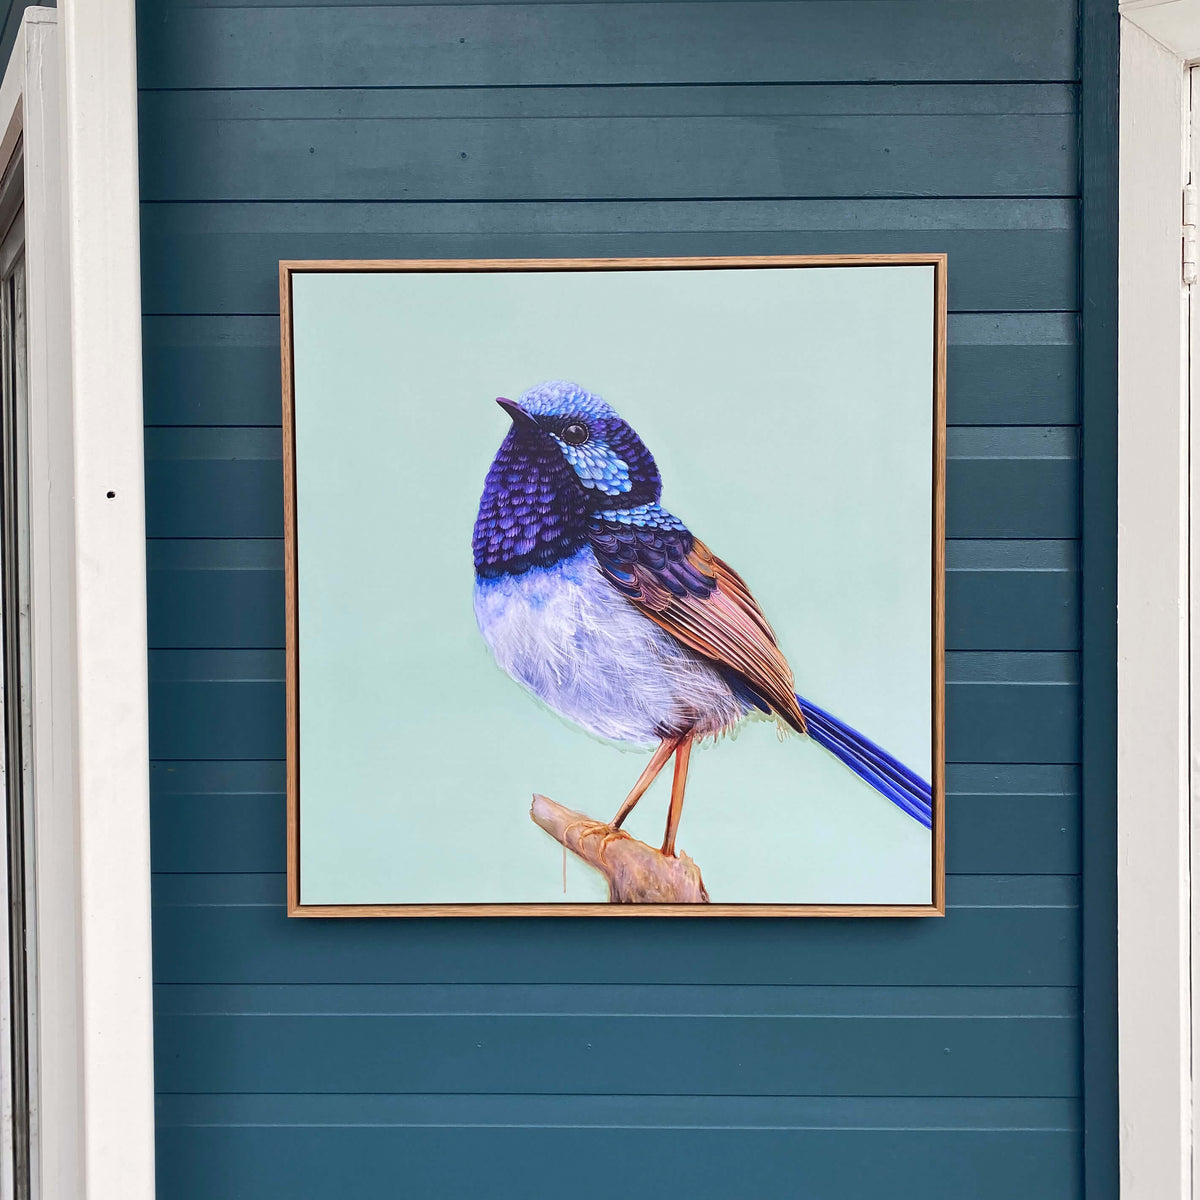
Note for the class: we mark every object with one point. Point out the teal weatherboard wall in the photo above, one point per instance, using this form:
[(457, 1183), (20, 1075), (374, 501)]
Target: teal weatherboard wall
[(828, 1060)]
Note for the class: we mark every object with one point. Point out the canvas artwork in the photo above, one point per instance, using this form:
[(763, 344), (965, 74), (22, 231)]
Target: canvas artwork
[(615, 586)]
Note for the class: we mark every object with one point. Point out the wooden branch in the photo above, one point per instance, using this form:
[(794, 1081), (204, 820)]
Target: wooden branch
[(636, 873)]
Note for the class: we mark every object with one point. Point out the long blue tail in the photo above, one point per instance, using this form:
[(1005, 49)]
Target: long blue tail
[(904, 788)]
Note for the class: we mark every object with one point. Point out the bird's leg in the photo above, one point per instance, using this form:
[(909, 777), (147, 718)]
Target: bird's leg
[(665, 749), (682, 753)]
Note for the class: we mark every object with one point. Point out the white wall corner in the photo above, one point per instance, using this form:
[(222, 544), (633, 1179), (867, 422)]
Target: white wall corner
[(1153, 782), (1174, 24)]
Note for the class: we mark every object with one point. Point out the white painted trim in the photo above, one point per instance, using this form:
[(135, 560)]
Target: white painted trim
[(51, 530), (29, 111), (1174, 24), (70, 95), (1153, 668), (100, 141)]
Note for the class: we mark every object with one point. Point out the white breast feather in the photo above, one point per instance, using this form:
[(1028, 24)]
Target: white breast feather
[(570, 637)]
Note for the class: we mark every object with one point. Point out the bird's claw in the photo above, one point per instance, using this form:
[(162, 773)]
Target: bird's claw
[(590, 828)]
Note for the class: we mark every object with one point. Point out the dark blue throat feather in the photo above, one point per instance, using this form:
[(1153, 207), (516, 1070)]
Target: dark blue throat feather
[(532, 512), (535, 511)]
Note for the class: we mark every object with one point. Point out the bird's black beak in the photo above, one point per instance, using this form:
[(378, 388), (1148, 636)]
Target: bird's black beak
[(520, 418)]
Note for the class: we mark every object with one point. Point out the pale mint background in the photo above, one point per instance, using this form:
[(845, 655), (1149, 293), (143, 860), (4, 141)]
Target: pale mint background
[(790, 415)]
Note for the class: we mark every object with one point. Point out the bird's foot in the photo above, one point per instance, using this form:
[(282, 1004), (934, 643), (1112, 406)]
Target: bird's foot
[(606, 833)]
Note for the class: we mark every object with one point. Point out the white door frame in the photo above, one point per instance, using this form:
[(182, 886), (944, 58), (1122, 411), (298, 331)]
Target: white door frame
[(19, 1167), (70, 96), (99, 89), (1155, 613)]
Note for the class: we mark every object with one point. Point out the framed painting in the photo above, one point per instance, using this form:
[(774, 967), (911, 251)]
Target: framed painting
[(615, 586)]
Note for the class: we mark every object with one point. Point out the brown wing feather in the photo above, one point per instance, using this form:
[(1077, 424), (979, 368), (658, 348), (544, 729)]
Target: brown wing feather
[(727, 626)]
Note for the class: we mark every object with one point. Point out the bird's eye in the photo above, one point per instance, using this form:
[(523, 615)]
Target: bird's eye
[(574, 434)]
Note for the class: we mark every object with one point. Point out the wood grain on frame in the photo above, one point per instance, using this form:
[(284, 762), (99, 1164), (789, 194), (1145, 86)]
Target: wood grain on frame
[(940, 311), (288, 268), (291, 632)]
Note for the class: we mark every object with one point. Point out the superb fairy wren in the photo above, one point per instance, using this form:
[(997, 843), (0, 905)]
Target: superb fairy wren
[(606, 607)]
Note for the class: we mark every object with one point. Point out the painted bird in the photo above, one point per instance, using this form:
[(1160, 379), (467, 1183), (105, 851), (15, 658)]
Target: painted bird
[(606, 607)]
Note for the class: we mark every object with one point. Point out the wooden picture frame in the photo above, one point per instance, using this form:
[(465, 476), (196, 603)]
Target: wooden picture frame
[(288, 270)]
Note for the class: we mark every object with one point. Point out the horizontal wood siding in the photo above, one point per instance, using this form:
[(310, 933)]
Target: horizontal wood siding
[(833, 1060), (609, 143), (1011, 256), (259, 45)]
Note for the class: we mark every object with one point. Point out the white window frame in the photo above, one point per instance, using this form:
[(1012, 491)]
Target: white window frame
[(69, 94), (1158, 740)]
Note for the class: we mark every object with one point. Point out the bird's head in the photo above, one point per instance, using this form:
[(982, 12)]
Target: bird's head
[(608, 461), (567, 457)]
